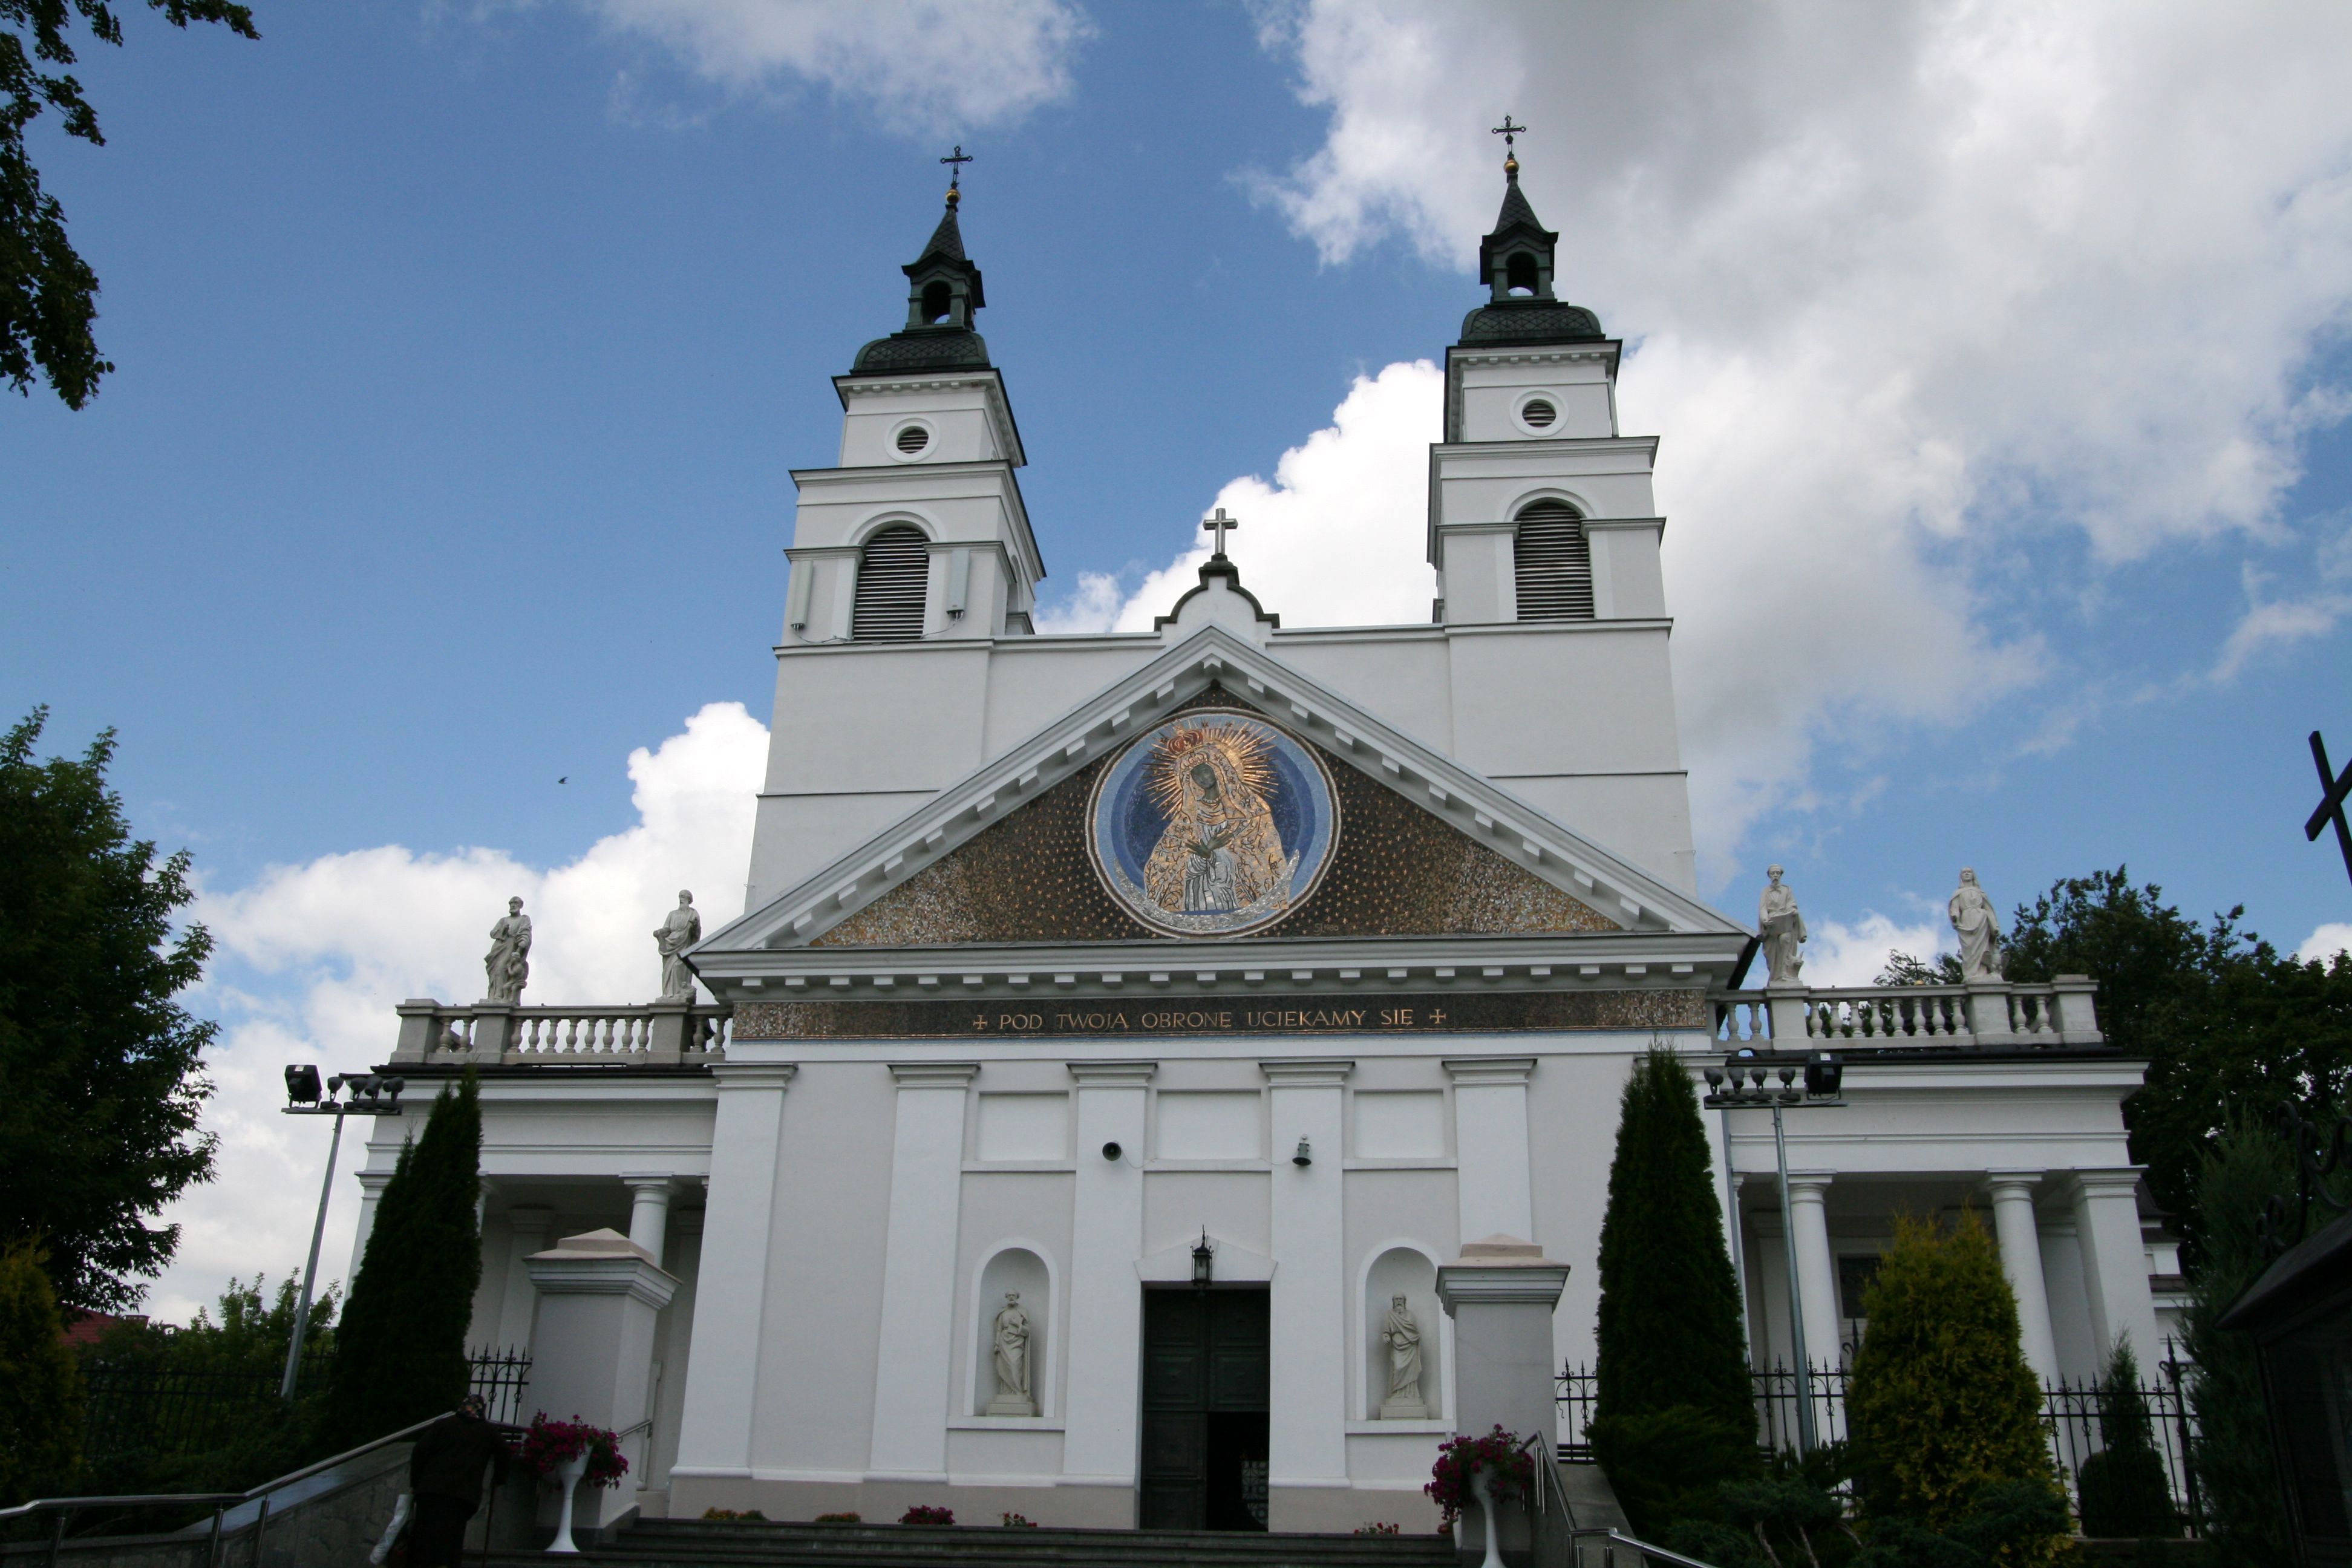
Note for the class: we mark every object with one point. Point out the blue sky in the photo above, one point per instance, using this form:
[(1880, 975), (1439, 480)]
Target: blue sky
[(1999, 360)]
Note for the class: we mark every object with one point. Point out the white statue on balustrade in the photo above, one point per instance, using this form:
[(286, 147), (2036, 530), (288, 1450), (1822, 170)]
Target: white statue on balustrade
[(1400, 1335), (679, 929), (1782, 926), (1011, 1350), (508, 963), (1978, 925)]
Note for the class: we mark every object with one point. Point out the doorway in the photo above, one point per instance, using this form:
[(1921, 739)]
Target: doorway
[(1204, 1409)]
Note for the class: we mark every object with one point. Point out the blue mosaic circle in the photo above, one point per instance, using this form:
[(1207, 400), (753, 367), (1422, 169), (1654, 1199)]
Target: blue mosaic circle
[(1215, 824)]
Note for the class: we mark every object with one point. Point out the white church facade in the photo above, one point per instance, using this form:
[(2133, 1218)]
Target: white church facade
[(1125, 1028)]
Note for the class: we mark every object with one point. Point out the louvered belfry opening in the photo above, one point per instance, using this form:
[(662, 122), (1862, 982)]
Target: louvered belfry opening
[(1552, 563), (893, 571)]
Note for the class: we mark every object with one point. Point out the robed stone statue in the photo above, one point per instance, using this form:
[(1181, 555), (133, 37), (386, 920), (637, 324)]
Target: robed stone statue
[(508, 963), (679, 929), (1009, 1339), (1979, 926), (1783, 927), (1401, 1334)]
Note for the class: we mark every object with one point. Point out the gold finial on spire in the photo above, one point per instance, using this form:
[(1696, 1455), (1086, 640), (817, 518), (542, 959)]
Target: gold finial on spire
[(955, 161), (1510, 133)]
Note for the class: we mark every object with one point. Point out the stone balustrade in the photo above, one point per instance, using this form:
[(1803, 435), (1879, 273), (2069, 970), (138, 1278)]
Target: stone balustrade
[(1981, 1016), (659, 1034)]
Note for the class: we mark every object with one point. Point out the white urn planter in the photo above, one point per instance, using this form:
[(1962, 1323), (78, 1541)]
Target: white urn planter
[(1482, 1484), (567, 1476)]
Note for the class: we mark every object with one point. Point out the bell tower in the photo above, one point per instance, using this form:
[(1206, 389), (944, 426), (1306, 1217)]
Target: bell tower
[(919, 533)]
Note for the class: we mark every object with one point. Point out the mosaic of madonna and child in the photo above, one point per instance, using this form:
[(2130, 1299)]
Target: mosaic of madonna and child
[(1211, 824)]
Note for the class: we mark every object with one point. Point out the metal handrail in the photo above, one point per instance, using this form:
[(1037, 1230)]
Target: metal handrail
[(1650, 1552)]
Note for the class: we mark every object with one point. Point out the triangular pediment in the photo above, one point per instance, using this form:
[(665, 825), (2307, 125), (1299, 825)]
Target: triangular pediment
[(998, 858)]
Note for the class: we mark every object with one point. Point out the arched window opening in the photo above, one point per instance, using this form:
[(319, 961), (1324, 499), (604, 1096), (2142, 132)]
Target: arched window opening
[(893, 572), (1552, 562), (936, 299), (1519, 273)]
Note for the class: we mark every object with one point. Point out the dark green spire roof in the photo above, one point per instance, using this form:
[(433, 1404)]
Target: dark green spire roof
[(1516, 260), (943, 289)]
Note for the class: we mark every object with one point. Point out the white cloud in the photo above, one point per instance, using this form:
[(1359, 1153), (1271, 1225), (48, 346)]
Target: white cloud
[(2323, 944), (934, 65), (1337, 539), (1842, 954), (1911, 285), (2273, 622), (330, 945)]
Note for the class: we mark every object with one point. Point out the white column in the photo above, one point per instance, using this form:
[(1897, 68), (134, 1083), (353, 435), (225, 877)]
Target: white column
[(529, 1226), (1307, 1431), (1106, 1322), (2115, 1263), (2021, 1259), (1816, 1268), (371, 1194), (648, 1209), (919, 1266), (1492, 1178), (731, 1294)]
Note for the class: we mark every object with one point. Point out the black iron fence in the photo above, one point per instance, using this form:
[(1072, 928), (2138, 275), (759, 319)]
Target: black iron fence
[(168, 1411), (2076, 1419)]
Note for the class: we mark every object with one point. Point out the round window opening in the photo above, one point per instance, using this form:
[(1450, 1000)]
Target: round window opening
[(914, 439), (1538, 415)]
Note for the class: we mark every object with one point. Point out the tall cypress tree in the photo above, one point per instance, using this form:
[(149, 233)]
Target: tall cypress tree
[(400, 1352), (2230, 1446), (1676, 1409)]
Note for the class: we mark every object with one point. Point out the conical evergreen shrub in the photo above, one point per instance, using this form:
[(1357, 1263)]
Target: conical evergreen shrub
[(2230, 1445), (1941, 1408), (400, 1351), (40, 1387), (2123, 1487), (1674, 1412)]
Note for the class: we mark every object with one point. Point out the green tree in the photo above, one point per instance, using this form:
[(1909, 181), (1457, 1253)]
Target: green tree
[(2123, 1487), (1675, 1411), (40, 1391), (49, 295), (401, 1354), (1941, 1405), (2225, 1021), (2229, 1451), (101, 1070)]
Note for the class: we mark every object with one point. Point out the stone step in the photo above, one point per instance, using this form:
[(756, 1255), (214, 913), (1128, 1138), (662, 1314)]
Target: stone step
[(739, 1543)]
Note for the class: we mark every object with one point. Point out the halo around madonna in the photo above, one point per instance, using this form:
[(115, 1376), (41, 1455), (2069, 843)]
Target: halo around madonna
[(1215, 824)]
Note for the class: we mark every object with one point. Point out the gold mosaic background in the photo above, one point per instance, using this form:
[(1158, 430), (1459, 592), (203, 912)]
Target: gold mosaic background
[(1399, 870)]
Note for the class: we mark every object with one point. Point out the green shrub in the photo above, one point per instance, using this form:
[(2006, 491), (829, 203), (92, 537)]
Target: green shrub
[(1941, 1405), (2230, 1445), (41, 1388), (2123, 1487)]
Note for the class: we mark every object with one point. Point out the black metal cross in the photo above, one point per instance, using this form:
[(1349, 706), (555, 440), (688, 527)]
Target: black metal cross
[(1217, 525), (1507, 131), (955, 161), (2333, 791)]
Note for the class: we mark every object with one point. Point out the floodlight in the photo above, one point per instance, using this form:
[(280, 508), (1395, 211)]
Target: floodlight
[(303, 1084)]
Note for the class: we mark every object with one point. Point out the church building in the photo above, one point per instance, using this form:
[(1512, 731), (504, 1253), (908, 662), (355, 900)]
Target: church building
[(1125, 1028)]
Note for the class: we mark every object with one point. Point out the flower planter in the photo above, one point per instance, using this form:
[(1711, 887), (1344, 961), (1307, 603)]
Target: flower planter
[(567, 1476)]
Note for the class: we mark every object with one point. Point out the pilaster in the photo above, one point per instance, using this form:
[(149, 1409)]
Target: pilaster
[(527, 1226), (2114, 1261), (1106, 1320), (1306, 1435), (1492, 1179), (913, 1363)]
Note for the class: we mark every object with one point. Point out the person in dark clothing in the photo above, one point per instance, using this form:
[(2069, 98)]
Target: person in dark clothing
[(445, 1473)]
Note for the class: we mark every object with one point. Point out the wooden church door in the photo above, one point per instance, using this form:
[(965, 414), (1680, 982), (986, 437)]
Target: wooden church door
[(1205, 1356)]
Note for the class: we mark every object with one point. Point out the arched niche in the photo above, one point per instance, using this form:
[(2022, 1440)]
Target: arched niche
[(1409, 1272), (1013, 1269)]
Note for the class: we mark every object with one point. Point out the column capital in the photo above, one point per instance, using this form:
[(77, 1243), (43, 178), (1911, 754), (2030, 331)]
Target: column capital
[(2108, 1180), (1113, 1074), (649, 1181), (1317, 1073), (2012, 1183), (1498, 1071), (933, 1075), (1808, 1186), (754, 1075), (372, 1182)]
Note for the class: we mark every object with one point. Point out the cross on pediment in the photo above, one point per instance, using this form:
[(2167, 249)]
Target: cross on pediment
[(2334, 790), (1218, 525)]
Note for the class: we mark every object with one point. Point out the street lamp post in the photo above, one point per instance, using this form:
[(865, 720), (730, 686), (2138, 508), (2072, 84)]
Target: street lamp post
[(1825, 1075), (370, 1096)]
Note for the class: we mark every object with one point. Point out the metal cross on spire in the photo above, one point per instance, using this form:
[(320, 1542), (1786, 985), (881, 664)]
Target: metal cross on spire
[(1218, 525), (1507, 131), (955, 161), (2334, 789)]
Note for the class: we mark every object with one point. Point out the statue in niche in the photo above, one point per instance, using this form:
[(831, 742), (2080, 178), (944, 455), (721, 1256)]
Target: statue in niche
[(1978, 925), (1010, 1342), (1782, 926), (1401, 1336), (679, 929), (509, 960)]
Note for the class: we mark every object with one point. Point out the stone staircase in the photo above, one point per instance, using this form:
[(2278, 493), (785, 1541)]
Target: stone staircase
[(752, 1543)]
